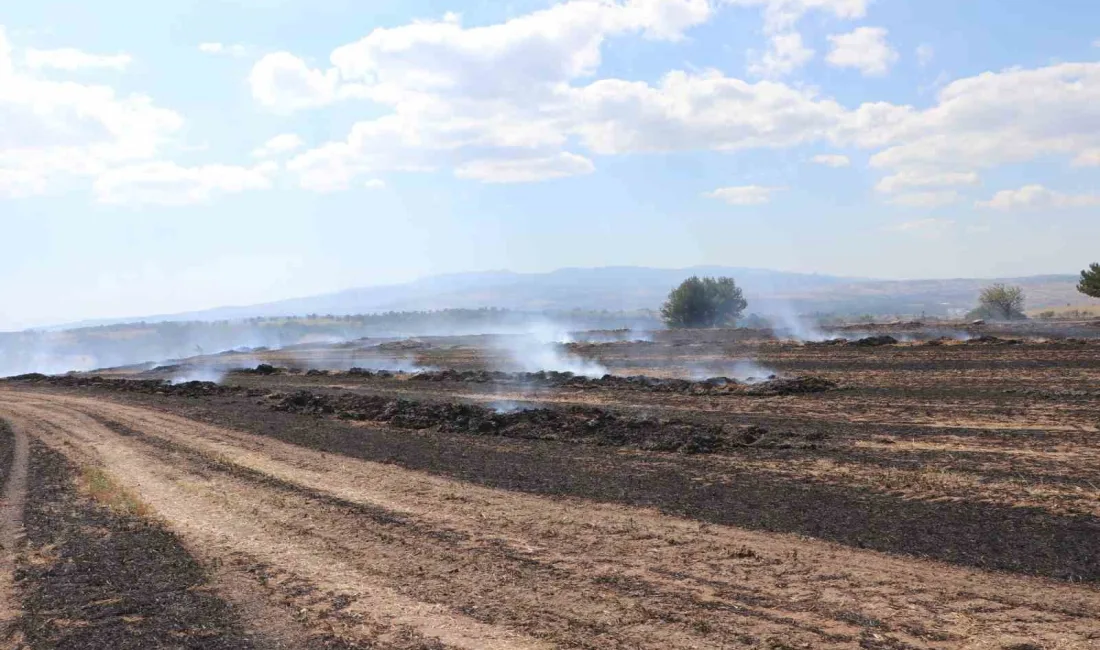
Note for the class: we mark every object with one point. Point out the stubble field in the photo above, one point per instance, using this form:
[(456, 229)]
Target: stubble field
[(929, 493)]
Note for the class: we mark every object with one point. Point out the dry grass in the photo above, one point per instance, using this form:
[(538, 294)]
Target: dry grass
[(101, 487), (1088, 310), (935, 483)]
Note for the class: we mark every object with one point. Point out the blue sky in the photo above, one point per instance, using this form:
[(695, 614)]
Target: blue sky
[(160, 157)]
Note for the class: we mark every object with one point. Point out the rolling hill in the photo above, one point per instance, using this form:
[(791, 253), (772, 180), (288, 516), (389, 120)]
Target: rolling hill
[(636, 288)]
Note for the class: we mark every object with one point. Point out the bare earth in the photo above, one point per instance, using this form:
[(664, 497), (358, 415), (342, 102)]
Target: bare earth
[(13, 479), (386, 557)]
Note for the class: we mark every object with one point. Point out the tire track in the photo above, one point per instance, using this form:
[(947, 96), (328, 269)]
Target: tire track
[(481, 579), (11, 524), (223, 528)]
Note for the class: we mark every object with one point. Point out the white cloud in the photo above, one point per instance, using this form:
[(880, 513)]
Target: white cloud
[(283, 82), (865, 49), (375, 184), (703, 111), (525, 170), (413, 142), (70, 60), (925, 178), (780, 15), (930, 228), (526, 89), (832, 160), (166, 183), (786, 51), (456, 93), (744, 195), (526, 54), (785, 54), (228, 49), (390, 143), (706, 111), (318, 171), (280, 144), (57, 132), (935, 199), (549, 46), (1037, 196), (992, 119), (1089, 158), (20, 183), (925, 54)]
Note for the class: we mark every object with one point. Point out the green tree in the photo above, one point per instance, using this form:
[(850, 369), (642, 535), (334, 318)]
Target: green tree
[(1000, 302), (704, 302), (1090, 281)]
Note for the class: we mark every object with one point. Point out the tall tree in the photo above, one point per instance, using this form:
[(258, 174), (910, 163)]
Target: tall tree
[(1090, 281)]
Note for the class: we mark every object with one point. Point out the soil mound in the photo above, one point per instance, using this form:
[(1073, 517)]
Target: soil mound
[(712, 386), (576, 424), (411, 344), (363, 372), (791, 386), (262, 369), (32, 377), (874, 341), (175, 367), (148, 386), (992, 340)]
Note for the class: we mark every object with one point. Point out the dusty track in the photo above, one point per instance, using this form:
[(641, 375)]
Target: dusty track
[(95, 572), (13, 477), (382, 556)]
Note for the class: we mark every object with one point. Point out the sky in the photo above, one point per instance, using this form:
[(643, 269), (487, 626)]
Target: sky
[(170, 156)]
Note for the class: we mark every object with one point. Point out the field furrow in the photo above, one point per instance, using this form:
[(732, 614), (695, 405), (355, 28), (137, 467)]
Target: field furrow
[(373, 553)]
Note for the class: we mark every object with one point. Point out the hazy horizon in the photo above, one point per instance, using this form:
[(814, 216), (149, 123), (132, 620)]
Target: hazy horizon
[(759, 282), (9, 323)]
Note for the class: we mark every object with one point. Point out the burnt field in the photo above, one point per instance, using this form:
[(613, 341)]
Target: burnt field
[(884, 487)]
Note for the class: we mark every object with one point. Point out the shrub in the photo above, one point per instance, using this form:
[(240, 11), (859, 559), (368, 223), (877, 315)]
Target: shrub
[(1000, 302), (704, 302)]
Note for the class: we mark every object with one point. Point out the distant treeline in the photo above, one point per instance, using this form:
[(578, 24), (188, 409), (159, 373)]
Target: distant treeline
[(123, 344)]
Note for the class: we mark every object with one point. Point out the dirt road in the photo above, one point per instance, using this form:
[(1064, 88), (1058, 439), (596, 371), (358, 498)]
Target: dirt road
[(13, 479), (379, 556)]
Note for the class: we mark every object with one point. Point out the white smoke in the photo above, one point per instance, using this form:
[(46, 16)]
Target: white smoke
[(510, 406), (341, 358), (788, 324), (743, 370), (212, 374), (957, 335), (200, 369), (612, 336), (404, 364), (542, 348)]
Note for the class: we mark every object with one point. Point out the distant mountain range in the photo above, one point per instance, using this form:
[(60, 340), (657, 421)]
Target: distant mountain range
[(636, 288)]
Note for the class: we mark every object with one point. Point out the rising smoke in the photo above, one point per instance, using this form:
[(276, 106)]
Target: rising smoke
[(542, 347), (213, 374), (743, 370), (788, 324), (89, 348)]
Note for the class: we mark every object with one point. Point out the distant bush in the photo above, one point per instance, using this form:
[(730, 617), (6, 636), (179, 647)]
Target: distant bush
[(1000, 302), (704, 302), (1069, 314), (756, 322)]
